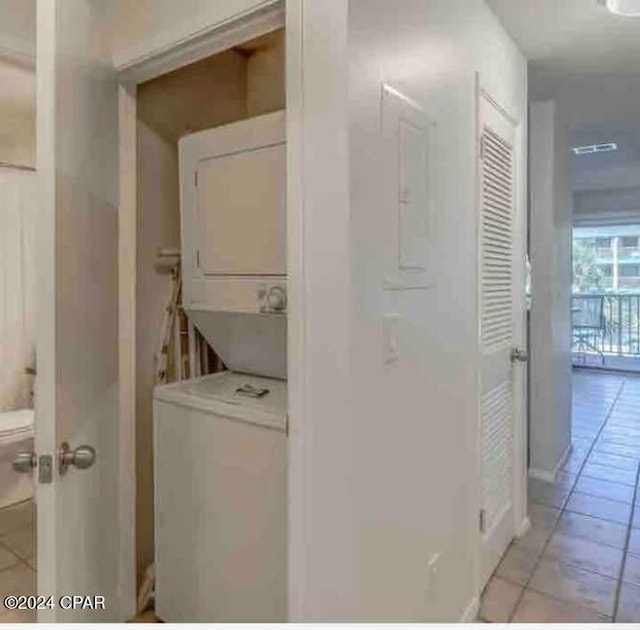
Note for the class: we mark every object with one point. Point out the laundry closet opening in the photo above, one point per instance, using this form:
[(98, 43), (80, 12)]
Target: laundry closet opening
[(210, 298)]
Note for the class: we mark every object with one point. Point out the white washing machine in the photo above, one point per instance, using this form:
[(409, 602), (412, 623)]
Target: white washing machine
[(221, 507)]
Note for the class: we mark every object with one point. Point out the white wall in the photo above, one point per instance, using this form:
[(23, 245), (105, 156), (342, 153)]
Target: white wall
[(137, 26), (17, 113), (608, 195), (388, 458), (550, 323), (266, 77), (606, 206), (158, 225)]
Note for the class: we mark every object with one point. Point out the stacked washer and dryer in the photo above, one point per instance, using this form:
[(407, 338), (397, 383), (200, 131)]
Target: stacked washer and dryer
[(220, 440)]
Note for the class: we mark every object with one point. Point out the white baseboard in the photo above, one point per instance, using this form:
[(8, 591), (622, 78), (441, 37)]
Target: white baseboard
[(471, 612), (551, 476), (523, 527)]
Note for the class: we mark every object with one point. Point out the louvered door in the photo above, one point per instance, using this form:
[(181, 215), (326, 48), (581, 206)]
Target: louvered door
[(497, 210)]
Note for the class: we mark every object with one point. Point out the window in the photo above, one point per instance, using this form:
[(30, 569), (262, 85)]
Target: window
[(629, 241), (607, 270), (629, 271), (604, 243)]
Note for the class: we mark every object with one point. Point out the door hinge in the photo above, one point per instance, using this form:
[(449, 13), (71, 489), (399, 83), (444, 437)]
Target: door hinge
[(195, 179), (481, 521), (198, 258)]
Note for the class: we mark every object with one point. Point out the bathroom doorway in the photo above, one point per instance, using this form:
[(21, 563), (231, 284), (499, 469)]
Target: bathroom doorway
[(17, 338)]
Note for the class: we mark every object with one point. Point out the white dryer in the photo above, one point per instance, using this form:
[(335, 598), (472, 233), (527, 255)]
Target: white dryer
[(221, 508)]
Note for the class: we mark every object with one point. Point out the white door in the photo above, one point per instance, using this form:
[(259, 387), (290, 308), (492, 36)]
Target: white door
[(77, 310), (499, 252)]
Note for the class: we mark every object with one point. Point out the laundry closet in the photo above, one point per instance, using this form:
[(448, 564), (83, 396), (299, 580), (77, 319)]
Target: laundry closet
[(211, 335)]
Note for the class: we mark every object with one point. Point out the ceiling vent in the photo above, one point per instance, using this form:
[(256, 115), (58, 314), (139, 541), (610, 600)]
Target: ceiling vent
[(596, 148)]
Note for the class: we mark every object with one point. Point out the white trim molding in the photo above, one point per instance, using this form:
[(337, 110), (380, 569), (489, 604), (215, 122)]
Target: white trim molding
[(470, 614), (145, 64), (127, 278), (523, 527)]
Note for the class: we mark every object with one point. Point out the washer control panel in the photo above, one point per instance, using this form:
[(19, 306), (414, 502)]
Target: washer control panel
[(272, 298)]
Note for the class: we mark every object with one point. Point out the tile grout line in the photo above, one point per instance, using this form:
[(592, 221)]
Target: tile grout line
[(616, 603), (563, 509)]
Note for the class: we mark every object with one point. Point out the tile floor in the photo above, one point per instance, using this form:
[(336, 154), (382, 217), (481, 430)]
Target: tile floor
[(580, 561), (17, 557)]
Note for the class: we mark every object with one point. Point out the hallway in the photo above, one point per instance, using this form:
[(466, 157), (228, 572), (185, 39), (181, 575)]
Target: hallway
[(580, 561)]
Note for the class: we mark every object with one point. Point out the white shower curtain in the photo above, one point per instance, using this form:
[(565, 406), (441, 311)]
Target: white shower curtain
[(17, 287)]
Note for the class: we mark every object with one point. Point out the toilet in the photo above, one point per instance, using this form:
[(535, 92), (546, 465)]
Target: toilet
[(16, 435)]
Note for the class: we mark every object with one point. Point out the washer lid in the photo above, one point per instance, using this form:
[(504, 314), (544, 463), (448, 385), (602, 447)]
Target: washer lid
[(20, 421), (254, 399)]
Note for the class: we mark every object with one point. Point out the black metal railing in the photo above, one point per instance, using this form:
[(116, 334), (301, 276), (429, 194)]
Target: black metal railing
[(607, 323)]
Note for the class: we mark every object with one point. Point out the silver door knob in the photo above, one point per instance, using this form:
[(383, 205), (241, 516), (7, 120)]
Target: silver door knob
[(25, 462), (81, 457), (519, 354)]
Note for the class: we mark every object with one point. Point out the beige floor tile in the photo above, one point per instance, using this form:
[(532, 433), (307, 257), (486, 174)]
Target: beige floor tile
[(623, 450), (585, 554), (21, 542), (538, 608), (7, 559), (574, 463), (613, 461), (499, 600), (542, 517), (18, 580), (517, 564), (632, 570), (593, 529), (600, 508), (620, 436), (566, 479), (545, 493), (608, 473), (16, 517), (605, 489), (576, 586), (534, 540), (629, 604), (634, 542)]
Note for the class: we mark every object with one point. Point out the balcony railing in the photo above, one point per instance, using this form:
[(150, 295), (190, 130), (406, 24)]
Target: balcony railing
[(607, 323)]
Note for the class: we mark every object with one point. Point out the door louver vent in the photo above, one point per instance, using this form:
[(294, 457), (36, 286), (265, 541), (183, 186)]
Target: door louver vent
[(497, 229), (496, 453)]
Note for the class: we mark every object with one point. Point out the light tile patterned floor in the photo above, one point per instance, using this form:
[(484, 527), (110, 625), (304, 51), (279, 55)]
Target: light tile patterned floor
[(580, 561), (17, 557)]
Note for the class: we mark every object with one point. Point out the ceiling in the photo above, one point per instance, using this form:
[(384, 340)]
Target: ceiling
[(17, 88), (572, 35), (580, 55), (628, 151)]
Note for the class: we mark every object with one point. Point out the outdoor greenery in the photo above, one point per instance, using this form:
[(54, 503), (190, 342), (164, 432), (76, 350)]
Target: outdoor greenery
[(587, 275)]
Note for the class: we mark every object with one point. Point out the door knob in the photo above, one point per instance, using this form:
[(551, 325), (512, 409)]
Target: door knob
[(81, 457), (25, 462), (519, 354)]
